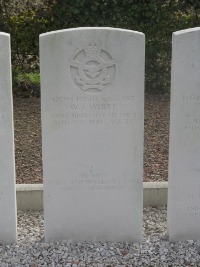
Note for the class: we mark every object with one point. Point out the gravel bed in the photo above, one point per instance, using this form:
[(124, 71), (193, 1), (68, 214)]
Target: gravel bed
[(156, 250)]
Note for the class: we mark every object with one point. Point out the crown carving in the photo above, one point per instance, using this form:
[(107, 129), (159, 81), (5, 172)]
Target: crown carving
[(92, 51)]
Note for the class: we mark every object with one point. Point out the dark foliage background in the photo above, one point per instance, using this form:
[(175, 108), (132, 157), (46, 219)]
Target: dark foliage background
[(157, 19)]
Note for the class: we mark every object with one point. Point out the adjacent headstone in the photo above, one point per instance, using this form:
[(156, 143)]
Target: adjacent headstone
[(92, 90), (184, 151), (7, 171)]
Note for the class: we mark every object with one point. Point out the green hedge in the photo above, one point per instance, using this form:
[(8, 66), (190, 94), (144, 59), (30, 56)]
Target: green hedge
[(157, 19)]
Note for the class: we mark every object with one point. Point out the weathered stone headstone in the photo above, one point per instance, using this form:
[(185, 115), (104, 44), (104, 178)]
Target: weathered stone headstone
[(7, 171), (92, 89), (184, 152)]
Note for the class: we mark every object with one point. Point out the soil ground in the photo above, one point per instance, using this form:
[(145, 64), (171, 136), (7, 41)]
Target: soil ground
[(28, 150)]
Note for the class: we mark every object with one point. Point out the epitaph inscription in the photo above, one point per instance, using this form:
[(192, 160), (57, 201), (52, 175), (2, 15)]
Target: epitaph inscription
[(95, 180)]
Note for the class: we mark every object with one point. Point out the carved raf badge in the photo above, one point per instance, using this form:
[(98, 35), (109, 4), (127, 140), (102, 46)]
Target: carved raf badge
[(92, 69)]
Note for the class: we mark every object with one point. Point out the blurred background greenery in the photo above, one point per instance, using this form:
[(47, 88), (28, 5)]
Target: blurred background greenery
[(157, 19)]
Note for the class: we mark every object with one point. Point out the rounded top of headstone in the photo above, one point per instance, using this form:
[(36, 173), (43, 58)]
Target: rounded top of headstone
[(91, 29), (4, 34), (196, 29)]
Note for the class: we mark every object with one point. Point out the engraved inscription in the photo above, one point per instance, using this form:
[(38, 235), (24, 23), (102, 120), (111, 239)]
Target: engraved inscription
[(1, 195), (193, 211), (192, 119), (116, 110), (193, 196), (95, 180), (66, 99), (191, 97), (194, 125), (196, 64), (89, 184), (92, 69), (2, 116), (191, 125)]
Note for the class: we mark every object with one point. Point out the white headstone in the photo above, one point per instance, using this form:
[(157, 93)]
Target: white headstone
[(184, 152), (92, 89), (8, 232)]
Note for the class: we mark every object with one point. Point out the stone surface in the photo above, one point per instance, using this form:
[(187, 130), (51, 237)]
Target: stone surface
[(92, 90), (7, 171), (184, 153)]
